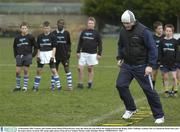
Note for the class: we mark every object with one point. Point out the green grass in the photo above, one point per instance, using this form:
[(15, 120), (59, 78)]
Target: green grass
[(75, 108)]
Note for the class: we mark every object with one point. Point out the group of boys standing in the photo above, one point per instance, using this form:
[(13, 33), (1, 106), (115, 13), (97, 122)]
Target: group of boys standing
[(168, 57), (54, 48)]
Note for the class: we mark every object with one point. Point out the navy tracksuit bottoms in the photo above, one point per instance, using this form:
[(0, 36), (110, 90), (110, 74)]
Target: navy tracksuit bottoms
[(126, 75)]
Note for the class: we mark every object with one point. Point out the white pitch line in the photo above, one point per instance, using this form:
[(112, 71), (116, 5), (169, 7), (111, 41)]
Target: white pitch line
[(108, 115), (105, 66), (9, 65)]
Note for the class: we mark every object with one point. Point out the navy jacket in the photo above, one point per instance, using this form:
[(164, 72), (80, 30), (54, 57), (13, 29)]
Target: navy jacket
[(137, 46)]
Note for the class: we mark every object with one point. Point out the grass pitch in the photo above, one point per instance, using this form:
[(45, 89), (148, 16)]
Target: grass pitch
[(95, 107)]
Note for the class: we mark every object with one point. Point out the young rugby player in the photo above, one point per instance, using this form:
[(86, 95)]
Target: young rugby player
[(158, 35), (46, 55), (24, 49), (168, 51), (63, 50), (88, 51)]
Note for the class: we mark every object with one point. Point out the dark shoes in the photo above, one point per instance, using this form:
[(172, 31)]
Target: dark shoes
[(24, 89), (80, 86), (35, 89), (16, 89), (89, 85), (59, 89), (171, 93), (53, 89)]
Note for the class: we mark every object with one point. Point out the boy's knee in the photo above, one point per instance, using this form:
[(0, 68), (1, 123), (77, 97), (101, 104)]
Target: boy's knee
[(90, 68), (174, 78), (17, 73), (54, 72), (80, 68), (25, 71), (38, 72)]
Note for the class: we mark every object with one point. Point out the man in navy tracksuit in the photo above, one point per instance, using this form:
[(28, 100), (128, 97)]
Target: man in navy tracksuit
[(136, 56)]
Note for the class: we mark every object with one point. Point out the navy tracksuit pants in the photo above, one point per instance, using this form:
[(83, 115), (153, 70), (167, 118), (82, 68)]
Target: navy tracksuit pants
[(126, 75)]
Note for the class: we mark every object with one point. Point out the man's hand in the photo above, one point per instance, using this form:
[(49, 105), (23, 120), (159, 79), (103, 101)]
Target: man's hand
[(148, 70), (119, 63)]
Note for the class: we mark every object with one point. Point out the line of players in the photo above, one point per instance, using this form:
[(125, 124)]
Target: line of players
[(54, 48), (168, 58)]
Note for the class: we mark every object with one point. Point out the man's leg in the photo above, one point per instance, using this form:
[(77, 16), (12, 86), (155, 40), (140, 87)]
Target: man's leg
[(151, 94), (122, 84)]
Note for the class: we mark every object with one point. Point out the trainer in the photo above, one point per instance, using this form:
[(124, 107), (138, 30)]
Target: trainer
[(136, 56)]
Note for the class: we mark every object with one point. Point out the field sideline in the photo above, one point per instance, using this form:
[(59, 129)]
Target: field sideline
[(95, 107)]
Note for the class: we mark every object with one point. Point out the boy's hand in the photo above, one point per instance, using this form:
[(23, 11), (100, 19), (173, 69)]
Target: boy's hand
[(78, 55), (52, 60), (38, 60), (98, 57)]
